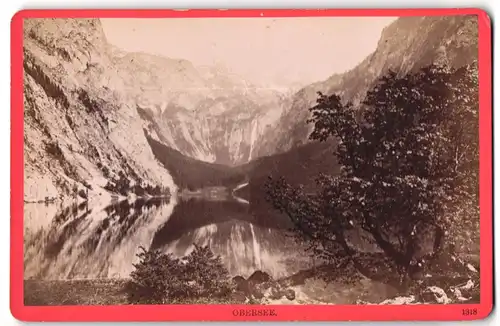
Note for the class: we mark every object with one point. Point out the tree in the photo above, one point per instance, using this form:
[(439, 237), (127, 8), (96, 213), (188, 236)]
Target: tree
[(74, 191), (157, 190), (166, 191), (123, 184), (139, 190), (408, 157)]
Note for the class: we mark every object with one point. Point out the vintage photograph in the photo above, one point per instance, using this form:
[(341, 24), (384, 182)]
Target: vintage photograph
[(314, 160)]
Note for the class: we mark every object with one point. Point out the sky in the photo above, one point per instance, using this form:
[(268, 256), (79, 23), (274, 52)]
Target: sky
[(279, 51)]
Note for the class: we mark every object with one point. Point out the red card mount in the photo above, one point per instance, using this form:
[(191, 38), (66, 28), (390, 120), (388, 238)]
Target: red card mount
[(87, 191)]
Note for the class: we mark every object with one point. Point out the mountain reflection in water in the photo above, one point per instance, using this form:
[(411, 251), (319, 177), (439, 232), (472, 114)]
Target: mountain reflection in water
[(79, 242), (97, 243), (246, 241)]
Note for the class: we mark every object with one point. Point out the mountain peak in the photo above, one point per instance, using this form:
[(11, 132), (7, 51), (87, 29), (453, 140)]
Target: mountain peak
[(407, 44)]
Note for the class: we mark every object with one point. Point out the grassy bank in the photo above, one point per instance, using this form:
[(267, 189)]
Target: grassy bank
[(74, 292), (100, 292)]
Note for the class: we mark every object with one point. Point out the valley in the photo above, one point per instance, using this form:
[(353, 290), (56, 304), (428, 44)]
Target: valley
[(199, 115), (132, 149)]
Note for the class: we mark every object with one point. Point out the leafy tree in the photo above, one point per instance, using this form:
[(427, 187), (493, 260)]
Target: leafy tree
[(82, 193), (409, 159), (105, 171), (110, 186)]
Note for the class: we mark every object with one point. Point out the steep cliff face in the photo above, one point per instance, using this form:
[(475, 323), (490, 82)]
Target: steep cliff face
[(205, 112), (81, 130), (224, 130), (405, 45)]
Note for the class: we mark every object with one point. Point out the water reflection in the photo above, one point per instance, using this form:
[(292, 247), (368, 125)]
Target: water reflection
[(246, 241), (91, 243), (101, 242)]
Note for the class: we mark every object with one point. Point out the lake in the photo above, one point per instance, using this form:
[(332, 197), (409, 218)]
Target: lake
[(79, 242)]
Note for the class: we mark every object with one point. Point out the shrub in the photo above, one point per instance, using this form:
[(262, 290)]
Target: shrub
[(209, 273), (155, 278), (74, 190), (110, 186), (160, 278), (53, 149), (105, 171), (87, 185), (82, 193)]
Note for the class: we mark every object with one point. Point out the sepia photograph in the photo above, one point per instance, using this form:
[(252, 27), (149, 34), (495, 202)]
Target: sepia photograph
[(259, 161)]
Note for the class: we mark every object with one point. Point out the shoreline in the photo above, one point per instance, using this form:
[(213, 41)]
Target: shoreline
[(307, 284)]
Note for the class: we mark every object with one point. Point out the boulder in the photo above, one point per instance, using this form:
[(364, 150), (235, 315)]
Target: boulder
[(258, 286), (240, 284), (259, 277), (257, 293), (290, 294), (265, 289), (434, 295), (238, 297), (276, 293), (238, 279)]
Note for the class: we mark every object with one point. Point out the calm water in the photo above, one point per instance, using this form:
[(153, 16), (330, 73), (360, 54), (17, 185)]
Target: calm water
[(83, 242)]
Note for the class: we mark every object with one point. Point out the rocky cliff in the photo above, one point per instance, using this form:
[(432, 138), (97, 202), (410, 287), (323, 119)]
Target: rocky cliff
[(87, 104), (206, 113), (408, 43), (81, 129), (225, 129)]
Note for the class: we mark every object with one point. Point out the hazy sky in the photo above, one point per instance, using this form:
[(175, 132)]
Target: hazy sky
[(264, 50)]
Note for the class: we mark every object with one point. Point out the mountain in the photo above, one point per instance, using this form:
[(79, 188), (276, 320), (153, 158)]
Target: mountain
[(223, 130), (207, 112), (157, 81), (405, 45), (234, 121), (80, 129), (88, 102), (408, 44)]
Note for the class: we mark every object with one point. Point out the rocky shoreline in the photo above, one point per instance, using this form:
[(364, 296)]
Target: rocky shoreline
[(305, 287)]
